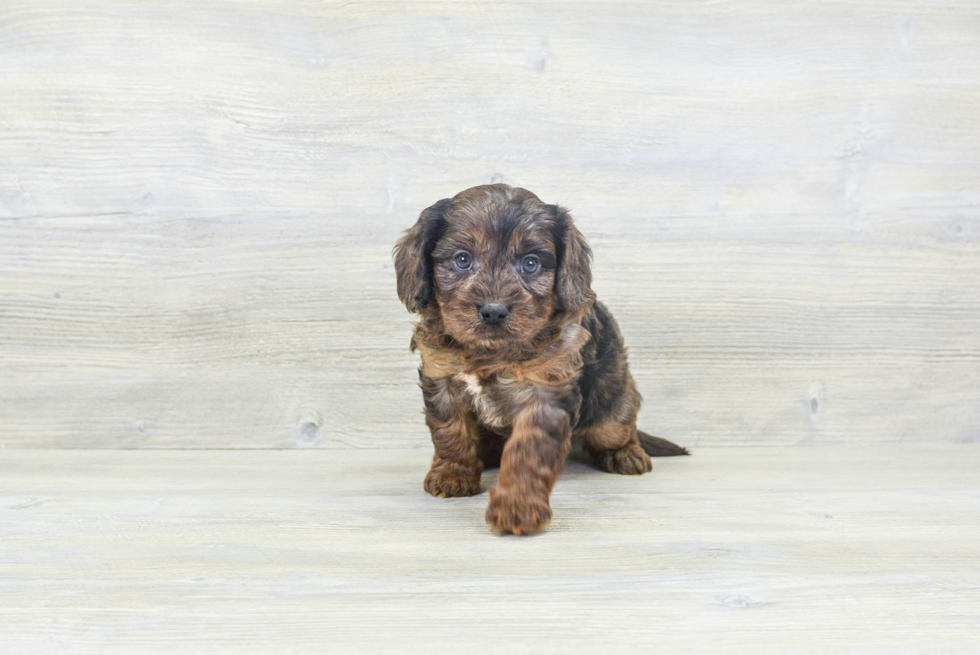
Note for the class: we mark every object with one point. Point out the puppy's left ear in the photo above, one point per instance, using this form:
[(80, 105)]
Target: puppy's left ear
[(573, 278), (413, 257)]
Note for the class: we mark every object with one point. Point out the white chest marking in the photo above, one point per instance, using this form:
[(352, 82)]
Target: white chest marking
[(483, 404), (472, 384)]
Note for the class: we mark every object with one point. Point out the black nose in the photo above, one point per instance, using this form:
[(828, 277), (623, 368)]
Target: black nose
[(494, 314)]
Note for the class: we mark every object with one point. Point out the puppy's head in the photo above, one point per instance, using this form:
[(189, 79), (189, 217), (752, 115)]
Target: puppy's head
[(496, 264)]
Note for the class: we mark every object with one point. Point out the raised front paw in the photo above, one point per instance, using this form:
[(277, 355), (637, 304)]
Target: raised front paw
[(513, 512), (631, 459), (450, 479)]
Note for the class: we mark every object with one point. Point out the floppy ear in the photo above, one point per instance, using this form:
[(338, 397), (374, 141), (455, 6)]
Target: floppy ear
[(413, 257), (573, 278)]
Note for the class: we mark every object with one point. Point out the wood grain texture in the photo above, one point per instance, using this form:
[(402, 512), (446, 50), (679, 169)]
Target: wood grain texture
[(198, 201), (747, 550)]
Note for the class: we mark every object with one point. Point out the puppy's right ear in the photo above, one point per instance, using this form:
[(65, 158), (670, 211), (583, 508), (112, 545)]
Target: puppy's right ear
[(413, 257)]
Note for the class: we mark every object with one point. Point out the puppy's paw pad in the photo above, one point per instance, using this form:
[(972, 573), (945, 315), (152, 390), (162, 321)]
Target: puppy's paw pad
[(628, 460), (452, 482), (515, 513)]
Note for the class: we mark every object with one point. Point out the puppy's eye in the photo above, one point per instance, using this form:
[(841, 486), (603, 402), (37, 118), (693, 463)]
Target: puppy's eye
[(463, 261), (530, 265)]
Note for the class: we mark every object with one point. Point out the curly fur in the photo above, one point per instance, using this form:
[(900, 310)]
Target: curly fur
[(515, 394)]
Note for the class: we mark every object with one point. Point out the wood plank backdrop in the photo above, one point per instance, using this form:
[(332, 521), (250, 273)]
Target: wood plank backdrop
[(198, 202)]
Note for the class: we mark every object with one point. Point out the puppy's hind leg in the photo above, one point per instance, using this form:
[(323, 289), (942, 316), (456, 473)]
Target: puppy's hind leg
[(615, 447)]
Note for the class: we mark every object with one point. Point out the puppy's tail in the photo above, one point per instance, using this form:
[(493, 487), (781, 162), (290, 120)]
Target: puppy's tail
[(657, 447)]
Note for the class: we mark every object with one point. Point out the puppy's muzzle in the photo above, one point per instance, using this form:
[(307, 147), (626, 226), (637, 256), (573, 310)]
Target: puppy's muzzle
[(494, 313)]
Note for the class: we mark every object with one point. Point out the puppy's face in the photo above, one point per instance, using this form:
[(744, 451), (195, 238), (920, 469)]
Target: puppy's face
[(496, 264), (494, 274)]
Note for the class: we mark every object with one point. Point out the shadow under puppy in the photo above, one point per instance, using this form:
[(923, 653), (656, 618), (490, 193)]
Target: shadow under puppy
[(517, 355)]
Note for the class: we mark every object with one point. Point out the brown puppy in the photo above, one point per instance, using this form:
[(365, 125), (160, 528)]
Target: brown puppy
[(517, 355)]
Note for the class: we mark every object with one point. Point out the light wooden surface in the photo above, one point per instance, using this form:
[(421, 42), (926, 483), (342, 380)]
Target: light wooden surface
[(738, 550), (198, 201)]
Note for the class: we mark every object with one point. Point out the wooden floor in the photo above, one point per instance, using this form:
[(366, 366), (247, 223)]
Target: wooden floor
[(747, 550)]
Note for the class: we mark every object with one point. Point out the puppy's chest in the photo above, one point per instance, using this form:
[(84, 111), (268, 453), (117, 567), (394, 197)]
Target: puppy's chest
[(492, 399)]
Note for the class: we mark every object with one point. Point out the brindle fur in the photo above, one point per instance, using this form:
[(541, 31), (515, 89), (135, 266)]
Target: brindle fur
[(515, 395)]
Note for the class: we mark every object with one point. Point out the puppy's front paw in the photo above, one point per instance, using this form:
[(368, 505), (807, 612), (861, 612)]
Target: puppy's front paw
[(512, 512), (450, 480), (631, 459)]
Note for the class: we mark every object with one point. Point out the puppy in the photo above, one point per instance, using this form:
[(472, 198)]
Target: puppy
[(518, 357)]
